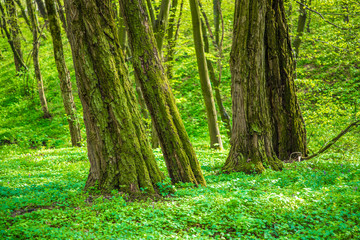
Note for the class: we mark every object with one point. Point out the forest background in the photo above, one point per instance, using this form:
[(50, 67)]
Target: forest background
[(42, 176)]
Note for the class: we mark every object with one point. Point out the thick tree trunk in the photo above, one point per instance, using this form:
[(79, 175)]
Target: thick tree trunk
[(15, 32), (119, 153), (300, 27), (179, 155), (35, 54), (64, 75), (215, 138), (267, 122)]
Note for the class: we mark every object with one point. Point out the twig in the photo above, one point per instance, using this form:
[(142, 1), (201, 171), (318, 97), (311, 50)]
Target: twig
[(333, 24), (333, 141)]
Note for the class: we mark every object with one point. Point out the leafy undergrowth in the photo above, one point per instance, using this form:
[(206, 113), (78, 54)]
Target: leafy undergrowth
[(41, 197)]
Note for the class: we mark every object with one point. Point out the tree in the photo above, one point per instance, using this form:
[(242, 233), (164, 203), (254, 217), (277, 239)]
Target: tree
[(9, 38), (300, 27), (214, 132), (119, 153), (267, 121), (35, 54), (64, 74), (15, 32), (178, 152)]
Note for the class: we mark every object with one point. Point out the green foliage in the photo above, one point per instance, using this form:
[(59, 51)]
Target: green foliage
[(41, 197), (41, 191)]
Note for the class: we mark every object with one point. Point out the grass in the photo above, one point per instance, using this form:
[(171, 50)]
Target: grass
[(41, 197)]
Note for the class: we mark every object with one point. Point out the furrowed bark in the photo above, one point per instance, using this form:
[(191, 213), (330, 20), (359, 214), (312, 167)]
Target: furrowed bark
[(178, 152), (64, 74), (215, 138), (35, 54), (267, 121), (119, 153)]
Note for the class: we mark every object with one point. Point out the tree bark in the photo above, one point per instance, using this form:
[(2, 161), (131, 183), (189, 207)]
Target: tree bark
[(215, 138), (119, 153), (15, 32), (61, 12), (300, 27), (35, 54), (267, 121), (64, 75), (178, 152), (41, 7)]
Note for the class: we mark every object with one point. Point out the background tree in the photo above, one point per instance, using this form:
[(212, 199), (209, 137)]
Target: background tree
[(35, 54), (118, 151), (178, 152), (15, 32), (214, 132), (64, 75), (267, 121)]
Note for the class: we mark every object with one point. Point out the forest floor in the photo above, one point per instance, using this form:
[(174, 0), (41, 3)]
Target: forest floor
[(41, 196)]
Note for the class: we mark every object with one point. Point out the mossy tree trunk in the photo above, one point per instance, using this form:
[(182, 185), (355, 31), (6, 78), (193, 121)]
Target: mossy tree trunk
[(214, 132), (119, 153), (178, 152), (64, 74), (14, 31), (267, 121), (35, 54)]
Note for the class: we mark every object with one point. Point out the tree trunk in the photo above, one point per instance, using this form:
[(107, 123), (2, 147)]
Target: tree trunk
[(119, 153), (179, 155), (41, 7), (15, 32), (64, 75), (10, 40), (309, 18), (267, 121), (215, 138), (60, 9), (23, 13), (35, 54), (225, 118), (300, 27), (161, 23)]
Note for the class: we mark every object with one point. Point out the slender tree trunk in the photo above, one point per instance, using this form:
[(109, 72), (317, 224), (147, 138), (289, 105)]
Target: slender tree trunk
[(9, 38), (41, 7), (60, 10), (179, 155), (309, 18), (215, 82), (215, 138), (64, 75), (267, 121), (35, 54), (172, 36), (161, 23), (15, 32), (23, 13), (119, 153), (300, 27)]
